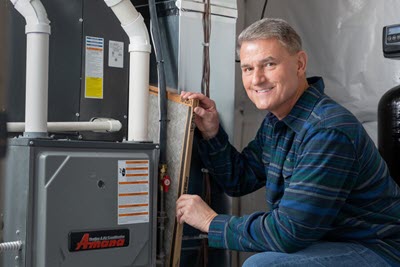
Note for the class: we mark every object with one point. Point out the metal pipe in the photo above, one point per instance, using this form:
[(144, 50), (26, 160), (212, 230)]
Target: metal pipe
[(139, 68), (8, 246), (97, 125), (37, 31)]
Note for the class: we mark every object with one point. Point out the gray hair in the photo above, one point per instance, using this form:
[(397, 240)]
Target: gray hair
[(271, 28)]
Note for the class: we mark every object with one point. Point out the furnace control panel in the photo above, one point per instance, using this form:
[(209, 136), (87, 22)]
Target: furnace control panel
[(391, 41)]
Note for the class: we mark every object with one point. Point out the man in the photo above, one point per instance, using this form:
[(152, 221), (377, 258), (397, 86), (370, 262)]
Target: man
[(330, 198)]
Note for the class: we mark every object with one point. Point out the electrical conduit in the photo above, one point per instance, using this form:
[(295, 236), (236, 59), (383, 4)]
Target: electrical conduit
[(9, 246), (37, 31), (139, 51)]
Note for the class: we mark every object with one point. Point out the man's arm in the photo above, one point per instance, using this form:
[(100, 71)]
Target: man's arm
[(237, 173), (318, 188)]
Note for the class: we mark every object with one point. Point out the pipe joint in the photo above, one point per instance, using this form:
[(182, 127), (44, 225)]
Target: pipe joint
[(140, 48), (37, 28), (138, 35), (35, 15), (111, 3), (113, 125)]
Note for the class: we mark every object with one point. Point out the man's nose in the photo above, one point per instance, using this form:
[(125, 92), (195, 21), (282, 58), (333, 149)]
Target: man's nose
[(258, 76)]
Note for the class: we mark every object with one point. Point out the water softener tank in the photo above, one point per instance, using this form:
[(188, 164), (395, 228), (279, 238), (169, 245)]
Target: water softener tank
[(389, 108), (389, 130)]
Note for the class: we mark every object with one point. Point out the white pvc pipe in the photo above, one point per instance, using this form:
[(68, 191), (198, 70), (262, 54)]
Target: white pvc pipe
[(124, 10), (138, 97), (37, 69), (37, 30), (97, 125), (139, 49)]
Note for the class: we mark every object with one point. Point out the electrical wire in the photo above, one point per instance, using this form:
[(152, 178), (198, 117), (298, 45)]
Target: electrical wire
[(205, 82), (264, 8), (205, 89)]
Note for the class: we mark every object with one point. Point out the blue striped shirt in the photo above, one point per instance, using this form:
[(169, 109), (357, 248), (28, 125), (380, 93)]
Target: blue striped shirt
[(324, 179)]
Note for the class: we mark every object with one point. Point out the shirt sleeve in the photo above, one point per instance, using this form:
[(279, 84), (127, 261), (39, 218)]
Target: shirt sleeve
[(237, 173), (323, 175)]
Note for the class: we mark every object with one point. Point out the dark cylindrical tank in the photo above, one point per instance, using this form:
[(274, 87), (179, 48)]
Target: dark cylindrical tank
[(389, 130)]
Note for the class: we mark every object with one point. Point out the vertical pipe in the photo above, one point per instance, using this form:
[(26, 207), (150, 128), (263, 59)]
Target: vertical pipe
[(37, 31), (37, 69), (139, 50), (138, 96)]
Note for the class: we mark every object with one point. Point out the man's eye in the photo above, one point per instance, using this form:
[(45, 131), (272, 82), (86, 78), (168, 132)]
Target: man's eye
[(247, 69), (269, 64)]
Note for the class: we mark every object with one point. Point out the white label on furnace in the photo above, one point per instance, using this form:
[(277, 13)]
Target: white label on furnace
[(133, 191), (94, 69), (115, 54)]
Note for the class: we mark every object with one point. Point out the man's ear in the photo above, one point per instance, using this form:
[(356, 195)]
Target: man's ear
[(301, 62)]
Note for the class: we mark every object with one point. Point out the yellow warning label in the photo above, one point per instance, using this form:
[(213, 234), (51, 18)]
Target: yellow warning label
[(94, 87), (94, 67)]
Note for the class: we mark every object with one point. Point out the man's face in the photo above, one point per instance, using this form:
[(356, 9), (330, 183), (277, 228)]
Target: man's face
[(271, 75)]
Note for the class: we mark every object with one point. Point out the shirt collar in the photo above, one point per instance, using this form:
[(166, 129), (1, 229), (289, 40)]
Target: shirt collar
[(304, 106)]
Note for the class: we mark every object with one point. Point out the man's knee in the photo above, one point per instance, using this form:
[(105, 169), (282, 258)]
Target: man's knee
[(269, 259)]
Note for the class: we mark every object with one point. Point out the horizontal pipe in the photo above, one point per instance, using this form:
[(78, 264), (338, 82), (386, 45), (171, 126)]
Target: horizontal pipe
[(97, 125)]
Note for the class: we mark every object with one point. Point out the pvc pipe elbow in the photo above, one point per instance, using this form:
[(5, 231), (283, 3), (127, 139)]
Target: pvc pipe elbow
[(138, 35), (133, 24), (111, 3), (35, 15)]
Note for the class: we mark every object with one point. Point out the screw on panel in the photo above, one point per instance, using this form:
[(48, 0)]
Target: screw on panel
[(157, 146), (16, 258), (80, 19), (80, 137), (77, 114), (125, 117), (31, 143), (17, 232), (101, 184)]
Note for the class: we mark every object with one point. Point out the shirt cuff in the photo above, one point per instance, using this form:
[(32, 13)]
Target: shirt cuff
[(218, 142), (216, 231)]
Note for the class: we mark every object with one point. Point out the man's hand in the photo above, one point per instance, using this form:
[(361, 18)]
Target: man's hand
[(192, 210), (207, 120)]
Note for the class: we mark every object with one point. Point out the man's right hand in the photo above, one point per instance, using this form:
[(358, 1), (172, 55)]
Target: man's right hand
[(207, 120)]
